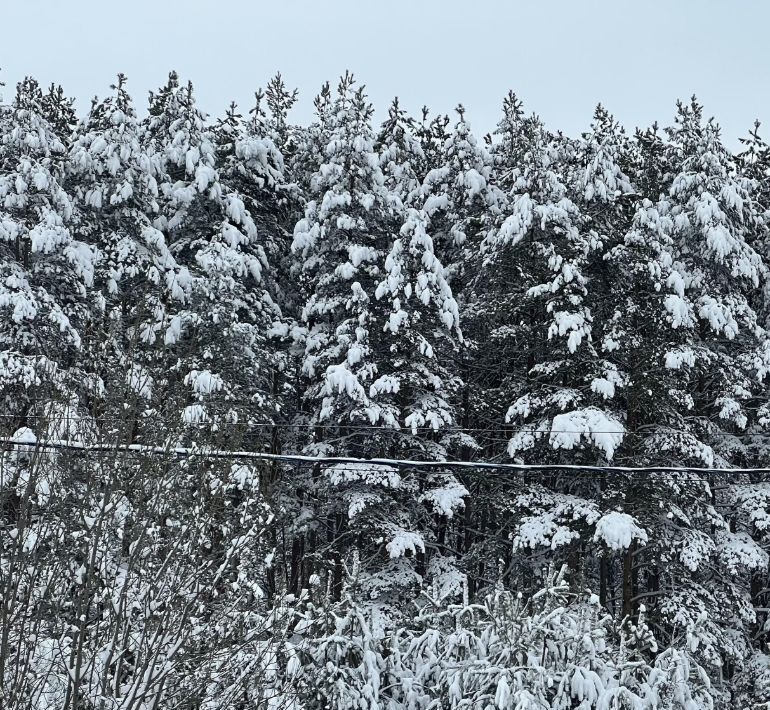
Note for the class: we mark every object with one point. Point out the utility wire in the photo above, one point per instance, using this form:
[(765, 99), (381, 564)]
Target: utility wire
[(186, 452), (685, 475)]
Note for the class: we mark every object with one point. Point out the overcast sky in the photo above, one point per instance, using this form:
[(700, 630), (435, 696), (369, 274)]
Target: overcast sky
[(560, 56)]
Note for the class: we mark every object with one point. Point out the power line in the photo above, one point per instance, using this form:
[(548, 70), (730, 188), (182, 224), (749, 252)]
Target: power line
[(584, 475), (187, 452)]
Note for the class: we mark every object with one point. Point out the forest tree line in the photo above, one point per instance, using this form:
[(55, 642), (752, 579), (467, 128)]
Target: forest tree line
[(406, 291)]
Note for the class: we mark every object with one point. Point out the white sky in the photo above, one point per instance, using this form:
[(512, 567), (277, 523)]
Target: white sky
[(560, 56)]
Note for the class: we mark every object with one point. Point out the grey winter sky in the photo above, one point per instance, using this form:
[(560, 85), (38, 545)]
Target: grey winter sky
[(560, 56)]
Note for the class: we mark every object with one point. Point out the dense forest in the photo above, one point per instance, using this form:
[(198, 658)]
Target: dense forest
[(209, 326)]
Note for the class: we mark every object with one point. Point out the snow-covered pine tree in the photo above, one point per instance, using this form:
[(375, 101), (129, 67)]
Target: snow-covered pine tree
[(531, 298), (113, 182), (605, 194), (509, 142), (604, 156), (415, 392), (59, 111), (645, 344), (279, 100), (401, 155), (310, 143), (752, 496), (340, 246), (46, 272), (562, 403), (552, 649), (346, 642), (340, 243), (754, 163), (658, 338), (377, 312), (214, 345), (432, 135), (250, 162), (460, 202), (422, 317), (493, 295), (458, 198), (718, 276)]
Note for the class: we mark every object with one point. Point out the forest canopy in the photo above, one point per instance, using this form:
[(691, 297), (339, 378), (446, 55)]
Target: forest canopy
[(408, 291)]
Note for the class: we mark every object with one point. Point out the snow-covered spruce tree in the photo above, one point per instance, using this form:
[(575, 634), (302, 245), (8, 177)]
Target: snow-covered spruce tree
[(250, 164), (214, 346), (421, 311), (46, 271), (604, 194), (251, 157)]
